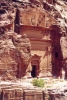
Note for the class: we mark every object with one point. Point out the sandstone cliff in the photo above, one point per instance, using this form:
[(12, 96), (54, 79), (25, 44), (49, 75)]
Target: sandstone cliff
[(14, 55), (43, 13)]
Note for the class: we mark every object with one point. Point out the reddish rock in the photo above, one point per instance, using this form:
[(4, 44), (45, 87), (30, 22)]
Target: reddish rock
[(14, 55)]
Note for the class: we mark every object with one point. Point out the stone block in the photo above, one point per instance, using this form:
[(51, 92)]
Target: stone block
[(29, 95)]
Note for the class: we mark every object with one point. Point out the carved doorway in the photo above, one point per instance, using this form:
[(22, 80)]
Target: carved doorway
[(35, 62), (33, 72)]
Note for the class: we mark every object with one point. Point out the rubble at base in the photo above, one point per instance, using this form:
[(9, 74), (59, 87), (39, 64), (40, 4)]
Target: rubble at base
[(23, 90)]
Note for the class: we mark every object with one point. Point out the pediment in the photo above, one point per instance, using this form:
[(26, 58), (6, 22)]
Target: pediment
[(36, 56)]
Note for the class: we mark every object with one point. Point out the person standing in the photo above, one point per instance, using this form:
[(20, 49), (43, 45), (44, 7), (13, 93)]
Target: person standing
[(63, 74)]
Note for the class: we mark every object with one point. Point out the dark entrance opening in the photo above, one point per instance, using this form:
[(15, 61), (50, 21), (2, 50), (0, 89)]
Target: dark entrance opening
[(33, 72), (56, 54)]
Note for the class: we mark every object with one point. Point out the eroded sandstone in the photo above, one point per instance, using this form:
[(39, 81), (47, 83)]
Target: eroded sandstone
[(14, 55)]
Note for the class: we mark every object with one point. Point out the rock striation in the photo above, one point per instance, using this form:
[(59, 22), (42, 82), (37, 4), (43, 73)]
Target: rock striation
[(40, 13), (14, 55)]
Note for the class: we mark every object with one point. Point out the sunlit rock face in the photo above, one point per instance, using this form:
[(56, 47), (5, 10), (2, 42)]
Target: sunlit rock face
[(63, 42), (30, 17), (14, 55), (35, 16)]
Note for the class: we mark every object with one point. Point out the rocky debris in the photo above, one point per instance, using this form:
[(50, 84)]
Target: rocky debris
[(28, 75), (27, 90), (8, 75), (43, 74)]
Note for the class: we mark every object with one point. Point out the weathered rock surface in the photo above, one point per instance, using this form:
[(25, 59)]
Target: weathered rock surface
[(14, 55), (42, 13)]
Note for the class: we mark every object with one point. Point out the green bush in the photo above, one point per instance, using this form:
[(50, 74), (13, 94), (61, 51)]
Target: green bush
[(38, 82)]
